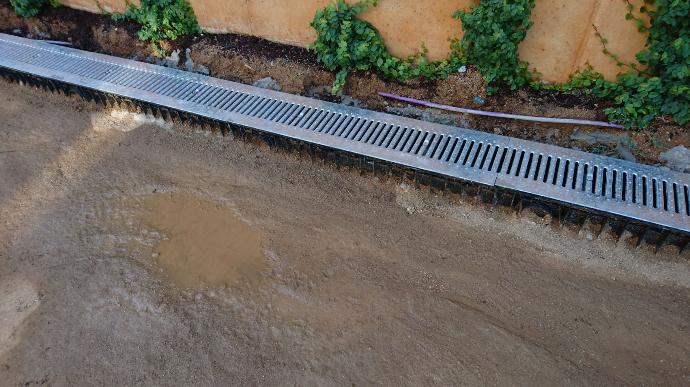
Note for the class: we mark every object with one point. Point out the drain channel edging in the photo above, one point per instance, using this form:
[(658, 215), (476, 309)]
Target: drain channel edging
[(638, 192)]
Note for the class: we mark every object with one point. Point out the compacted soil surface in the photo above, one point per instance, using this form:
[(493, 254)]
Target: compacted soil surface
[(135, 251), (295, 70)]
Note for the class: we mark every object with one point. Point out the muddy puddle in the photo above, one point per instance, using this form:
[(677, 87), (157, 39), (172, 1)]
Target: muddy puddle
[(204, 243)]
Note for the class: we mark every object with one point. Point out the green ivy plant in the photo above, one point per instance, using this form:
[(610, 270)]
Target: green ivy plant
[(161, 20), (492, 32), (345, 43), (663, 86), (30, 8)]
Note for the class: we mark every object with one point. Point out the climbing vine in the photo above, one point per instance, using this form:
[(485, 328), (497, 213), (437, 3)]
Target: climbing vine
[(662, 87), (492, 32), (345, 43), (161, 20), (29, 8)]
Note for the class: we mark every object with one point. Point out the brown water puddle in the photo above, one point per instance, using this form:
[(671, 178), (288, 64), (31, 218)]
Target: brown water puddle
[(205, 243)]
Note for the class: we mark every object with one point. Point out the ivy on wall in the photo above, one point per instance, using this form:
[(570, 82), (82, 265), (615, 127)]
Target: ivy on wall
[(662, 88), (493, 29), (345, 43), (492, 33)]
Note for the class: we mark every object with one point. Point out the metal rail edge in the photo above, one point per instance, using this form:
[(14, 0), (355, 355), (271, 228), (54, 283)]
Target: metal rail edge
[(637, 193)]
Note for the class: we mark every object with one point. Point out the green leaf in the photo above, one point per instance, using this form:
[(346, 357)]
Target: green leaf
[(30, 8), (347, 43), (161, 20)]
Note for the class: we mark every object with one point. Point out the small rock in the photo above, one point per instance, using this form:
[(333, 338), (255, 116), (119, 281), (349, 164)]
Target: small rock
[(479, 100), (349, 101), (625, 153), (462, 69), (677, 158), (170, 61), (202, 69), (429, 115), (191, 66), (536, 215), (597, 136), (498, 130), (590, 230), (16, 31), (268, 83), (189, 63), (317, 91), (552, 133)]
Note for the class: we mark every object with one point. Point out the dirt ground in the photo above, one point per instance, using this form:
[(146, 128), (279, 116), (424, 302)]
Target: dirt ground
[(247, 59), (358, 281)]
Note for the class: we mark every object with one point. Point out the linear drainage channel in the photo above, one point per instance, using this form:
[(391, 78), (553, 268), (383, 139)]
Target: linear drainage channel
[(635, 192)]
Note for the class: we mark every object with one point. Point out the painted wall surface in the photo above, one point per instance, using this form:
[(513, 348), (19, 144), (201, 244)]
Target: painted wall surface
[(562, 38)]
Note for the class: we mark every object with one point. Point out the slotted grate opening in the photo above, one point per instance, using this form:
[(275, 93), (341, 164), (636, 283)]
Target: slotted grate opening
[(643, 193)]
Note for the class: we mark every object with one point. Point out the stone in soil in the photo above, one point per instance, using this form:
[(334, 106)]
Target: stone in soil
[(625, 153), (677, 158), (191, 66), (268, 83), (429, 115), (597, 137), (172, 60)]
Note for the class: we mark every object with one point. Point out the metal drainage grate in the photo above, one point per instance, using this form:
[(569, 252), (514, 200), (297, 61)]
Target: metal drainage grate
[(637, 192)]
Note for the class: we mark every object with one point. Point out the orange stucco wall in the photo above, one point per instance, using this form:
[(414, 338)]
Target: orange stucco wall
[(561, 40), (563, 37)]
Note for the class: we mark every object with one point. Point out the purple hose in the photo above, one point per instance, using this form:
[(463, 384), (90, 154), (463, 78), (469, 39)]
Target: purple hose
[(501, 115)]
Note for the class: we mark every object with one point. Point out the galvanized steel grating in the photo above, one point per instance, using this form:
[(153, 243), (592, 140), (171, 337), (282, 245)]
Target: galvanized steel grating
[(642, 193)]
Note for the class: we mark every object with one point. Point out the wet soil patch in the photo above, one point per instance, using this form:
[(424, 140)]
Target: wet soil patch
[(204, 244)]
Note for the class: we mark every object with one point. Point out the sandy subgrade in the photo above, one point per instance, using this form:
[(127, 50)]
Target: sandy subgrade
[(359, 281)]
